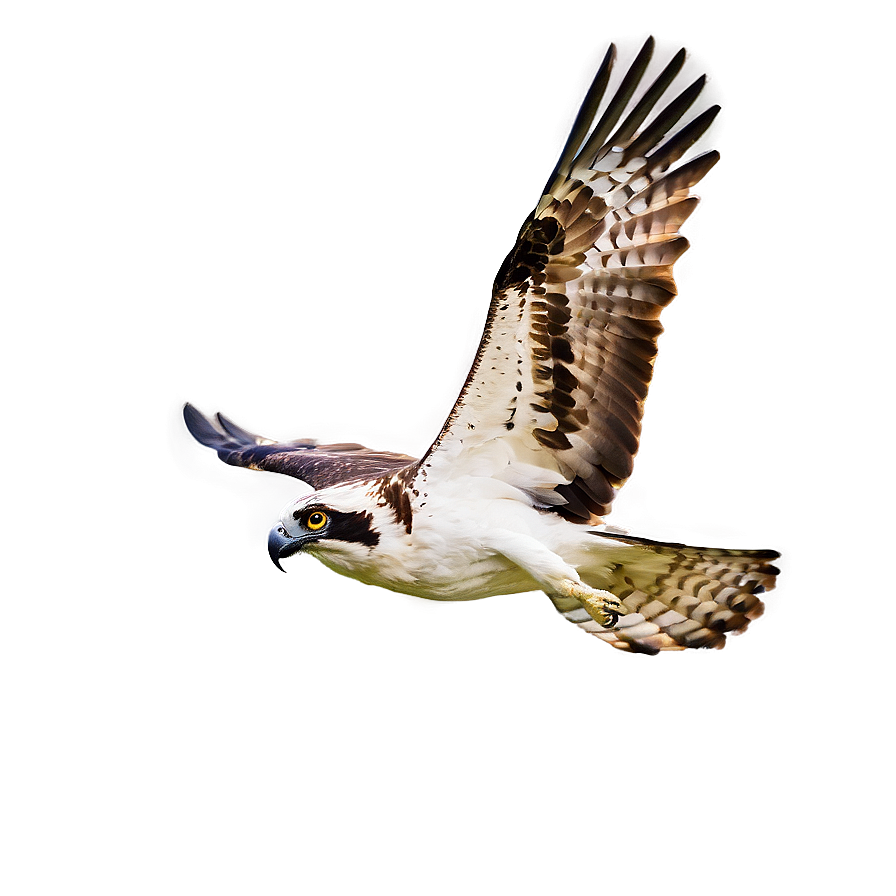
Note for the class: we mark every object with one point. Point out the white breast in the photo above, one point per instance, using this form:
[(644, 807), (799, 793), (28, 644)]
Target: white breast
[(446, 556)]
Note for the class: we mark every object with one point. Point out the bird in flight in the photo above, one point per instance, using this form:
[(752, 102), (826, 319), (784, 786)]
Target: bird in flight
[(512, 494)]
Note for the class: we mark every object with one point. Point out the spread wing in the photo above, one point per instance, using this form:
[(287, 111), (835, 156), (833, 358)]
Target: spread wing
[(554, 400), (318, 465)]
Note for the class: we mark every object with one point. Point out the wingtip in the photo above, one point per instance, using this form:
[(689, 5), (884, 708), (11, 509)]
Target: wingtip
[(201, 427), (193, 417), (712, 157), (645, 54), (609, 57), (235, 431)]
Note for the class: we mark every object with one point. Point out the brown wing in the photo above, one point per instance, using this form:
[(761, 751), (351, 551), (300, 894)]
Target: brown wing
[(562, 372), (318, 465)]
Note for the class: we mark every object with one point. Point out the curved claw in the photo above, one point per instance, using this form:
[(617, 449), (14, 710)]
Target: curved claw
[(602, 606), (612, 617)]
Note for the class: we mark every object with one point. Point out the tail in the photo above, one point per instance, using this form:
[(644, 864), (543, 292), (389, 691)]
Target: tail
[(677, 596)]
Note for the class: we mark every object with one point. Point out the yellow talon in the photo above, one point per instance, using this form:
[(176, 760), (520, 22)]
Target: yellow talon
[(602, 606)]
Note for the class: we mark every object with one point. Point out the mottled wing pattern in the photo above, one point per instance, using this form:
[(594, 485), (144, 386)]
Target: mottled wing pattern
[(318, 465), (679, 596), (564, 364)]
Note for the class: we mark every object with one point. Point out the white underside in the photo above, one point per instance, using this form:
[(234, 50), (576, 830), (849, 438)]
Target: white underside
[(487, 539)]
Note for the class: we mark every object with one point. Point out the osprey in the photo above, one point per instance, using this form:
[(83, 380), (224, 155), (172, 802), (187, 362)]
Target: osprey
[(511, 495)]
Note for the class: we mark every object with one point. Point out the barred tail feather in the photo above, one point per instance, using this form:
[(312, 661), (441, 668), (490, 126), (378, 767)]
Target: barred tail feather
[(678, 596)]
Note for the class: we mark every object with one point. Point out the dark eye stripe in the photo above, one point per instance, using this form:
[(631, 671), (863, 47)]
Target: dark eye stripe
[(355, 526)]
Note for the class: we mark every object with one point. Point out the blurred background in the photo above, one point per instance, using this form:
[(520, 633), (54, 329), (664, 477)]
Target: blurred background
[(293, 214)]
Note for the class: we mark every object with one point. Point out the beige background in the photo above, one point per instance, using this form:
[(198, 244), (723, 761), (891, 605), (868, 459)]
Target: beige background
[(293, 215)]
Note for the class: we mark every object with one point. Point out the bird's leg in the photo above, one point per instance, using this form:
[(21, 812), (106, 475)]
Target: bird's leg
[(556, 576), (602, 606)]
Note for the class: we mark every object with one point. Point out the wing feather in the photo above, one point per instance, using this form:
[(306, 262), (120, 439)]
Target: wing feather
[(563, 368), (318, 465)]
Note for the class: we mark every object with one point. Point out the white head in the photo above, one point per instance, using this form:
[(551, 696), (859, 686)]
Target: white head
[(337, 524)]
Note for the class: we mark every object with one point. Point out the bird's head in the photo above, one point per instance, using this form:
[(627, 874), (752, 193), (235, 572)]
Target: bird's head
[(334, 521)]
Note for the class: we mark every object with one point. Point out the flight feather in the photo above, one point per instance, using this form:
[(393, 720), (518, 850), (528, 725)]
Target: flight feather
[(564, 365), (320, 466)]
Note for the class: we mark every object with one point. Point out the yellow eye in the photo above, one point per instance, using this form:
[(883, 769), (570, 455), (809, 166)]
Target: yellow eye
[(316, 520)]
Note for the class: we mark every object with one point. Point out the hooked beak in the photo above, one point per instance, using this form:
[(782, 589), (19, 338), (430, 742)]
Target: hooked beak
[(281, 544)]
